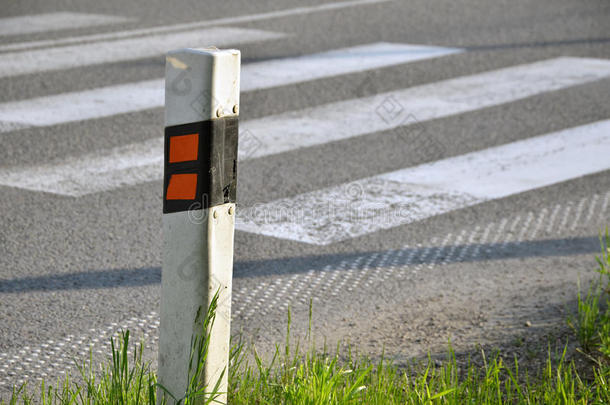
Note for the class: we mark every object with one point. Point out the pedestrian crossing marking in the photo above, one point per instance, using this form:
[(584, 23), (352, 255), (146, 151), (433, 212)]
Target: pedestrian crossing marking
[(131, 97), (349, 118), (141, 162), (404, 196)]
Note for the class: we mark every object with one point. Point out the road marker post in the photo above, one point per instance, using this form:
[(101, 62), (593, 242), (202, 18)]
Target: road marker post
[(200, 181)]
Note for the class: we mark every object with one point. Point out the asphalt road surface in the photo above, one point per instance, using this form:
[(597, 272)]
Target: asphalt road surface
[(442, 169)]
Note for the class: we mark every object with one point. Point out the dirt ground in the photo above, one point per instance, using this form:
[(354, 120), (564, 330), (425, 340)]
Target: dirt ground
[(515, 308)]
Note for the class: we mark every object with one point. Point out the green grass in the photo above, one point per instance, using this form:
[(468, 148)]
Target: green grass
[(314, 376), (592, 322), (124, 380)]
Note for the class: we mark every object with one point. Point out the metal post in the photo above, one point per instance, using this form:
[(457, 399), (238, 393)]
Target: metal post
[(201, 118)]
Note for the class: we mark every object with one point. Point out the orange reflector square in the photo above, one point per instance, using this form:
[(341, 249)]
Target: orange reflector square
[(182, 187), (183, 148)]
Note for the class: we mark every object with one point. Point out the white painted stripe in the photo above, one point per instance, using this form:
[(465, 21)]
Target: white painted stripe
[(346, 119), (82, 105), (138, 162), (30, 24), (408, 195), (191, 26), (281, 72), (107, 169), (40, 60), (107, 101)]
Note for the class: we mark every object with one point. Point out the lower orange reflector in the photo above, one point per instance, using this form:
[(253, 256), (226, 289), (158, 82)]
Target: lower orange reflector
[(182, 187)]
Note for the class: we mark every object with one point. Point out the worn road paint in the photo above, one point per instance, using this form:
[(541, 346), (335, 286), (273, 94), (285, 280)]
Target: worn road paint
[(404, 196)]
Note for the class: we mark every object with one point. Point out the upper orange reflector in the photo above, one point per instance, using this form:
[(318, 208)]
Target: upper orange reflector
[(183, 148), (182, 187)]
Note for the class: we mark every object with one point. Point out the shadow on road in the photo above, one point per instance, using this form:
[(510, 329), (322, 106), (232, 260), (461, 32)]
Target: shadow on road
[(246, 269)]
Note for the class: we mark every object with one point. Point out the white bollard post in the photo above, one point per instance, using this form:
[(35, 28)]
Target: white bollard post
[(201, 118)]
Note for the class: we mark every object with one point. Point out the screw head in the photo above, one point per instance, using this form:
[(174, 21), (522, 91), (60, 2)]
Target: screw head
[(230, 210), (219, 112), (236, 109), (215, 214)]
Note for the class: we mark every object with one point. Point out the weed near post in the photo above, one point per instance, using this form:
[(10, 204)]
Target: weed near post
[(592, 321)]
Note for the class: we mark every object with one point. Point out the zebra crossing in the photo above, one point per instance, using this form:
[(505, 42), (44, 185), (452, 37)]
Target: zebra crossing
[(132, 97), (337, 213), (142, 162), (413, 194)]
